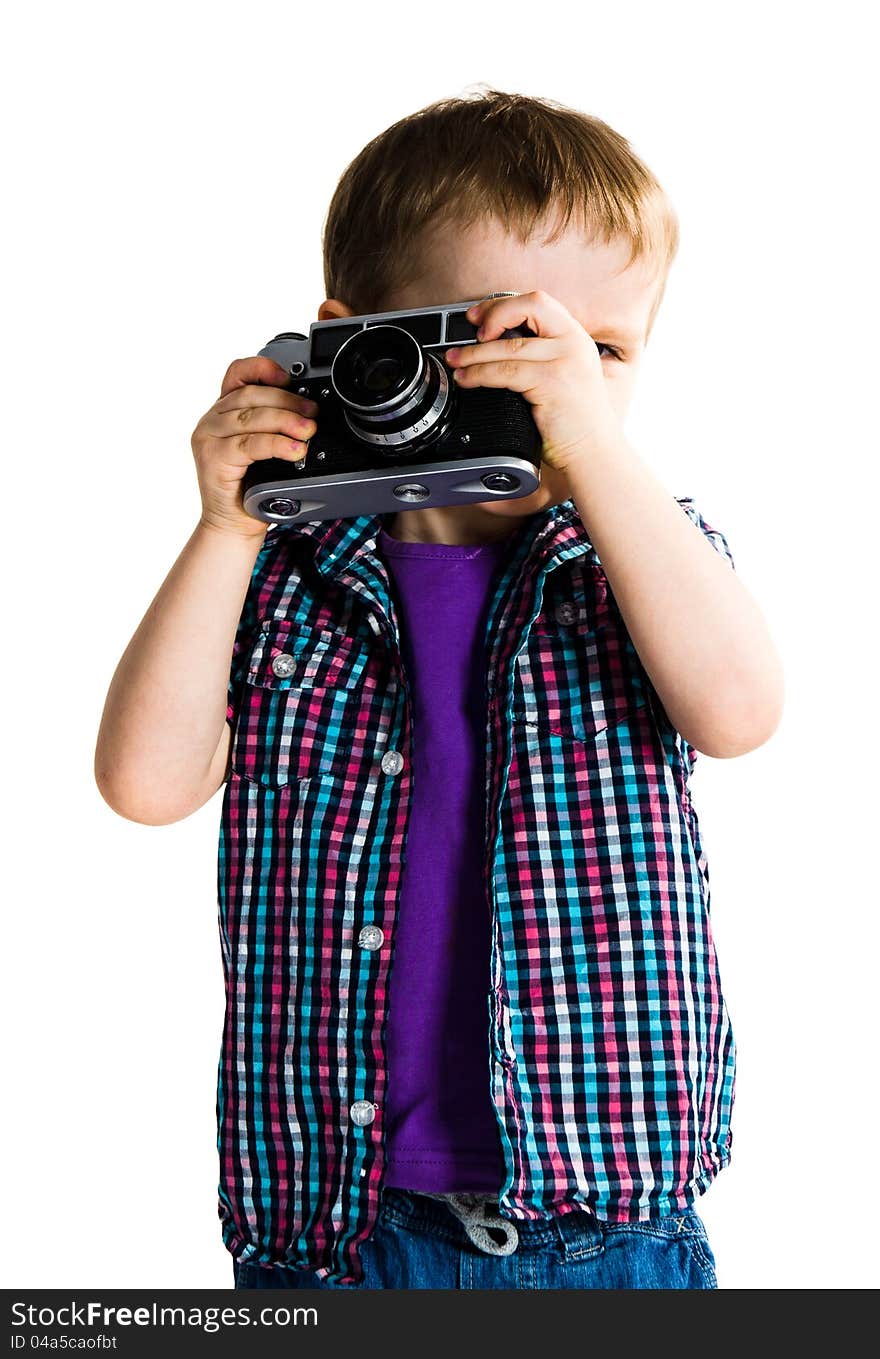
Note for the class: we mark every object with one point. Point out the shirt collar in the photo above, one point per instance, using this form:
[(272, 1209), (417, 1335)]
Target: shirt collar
[(551, 534)]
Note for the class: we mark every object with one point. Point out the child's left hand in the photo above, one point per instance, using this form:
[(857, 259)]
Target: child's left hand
[(558, 370)]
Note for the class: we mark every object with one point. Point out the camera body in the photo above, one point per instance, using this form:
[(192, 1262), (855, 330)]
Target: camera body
[(394, 431)]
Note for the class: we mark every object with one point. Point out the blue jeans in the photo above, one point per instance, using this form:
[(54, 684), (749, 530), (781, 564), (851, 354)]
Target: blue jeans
[(420, 1242)]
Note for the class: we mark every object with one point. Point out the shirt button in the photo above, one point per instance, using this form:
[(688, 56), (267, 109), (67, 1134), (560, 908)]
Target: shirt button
[(392, 762), (565, 612), (371, 936), (283, 665), (362, 1112)]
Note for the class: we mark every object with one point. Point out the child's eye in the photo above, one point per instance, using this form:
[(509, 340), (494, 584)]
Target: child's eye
[(615, 353)]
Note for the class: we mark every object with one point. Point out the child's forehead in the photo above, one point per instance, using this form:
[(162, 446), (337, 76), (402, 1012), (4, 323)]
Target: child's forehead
[(591, 277)]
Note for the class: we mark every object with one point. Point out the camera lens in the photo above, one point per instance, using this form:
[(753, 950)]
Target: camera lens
[(382, 376), (378, 365), (395, 395)]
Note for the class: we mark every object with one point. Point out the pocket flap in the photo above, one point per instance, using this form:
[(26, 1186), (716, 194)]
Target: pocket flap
[(576, 600), (286, 657)]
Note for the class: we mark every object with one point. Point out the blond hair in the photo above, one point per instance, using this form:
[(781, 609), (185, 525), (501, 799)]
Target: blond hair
[(493, 154)]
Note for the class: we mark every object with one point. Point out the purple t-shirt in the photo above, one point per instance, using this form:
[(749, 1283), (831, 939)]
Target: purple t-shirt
[(440, 1133)]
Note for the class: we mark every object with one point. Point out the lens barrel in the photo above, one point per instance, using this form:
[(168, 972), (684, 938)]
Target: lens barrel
[(393, 392)]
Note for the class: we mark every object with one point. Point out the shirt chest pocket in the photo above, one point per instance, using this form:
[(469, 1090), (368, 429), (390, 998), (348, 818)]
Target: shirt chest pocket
[(578, 673), (300, 705)]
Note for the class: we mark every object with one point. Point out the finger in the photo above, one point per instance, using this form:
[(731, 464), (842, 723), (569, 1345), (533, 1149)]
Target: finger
[(255, 368), (240, 397), (513, 374), (495, 351), (242, 449), (260, 419), (538, 310)]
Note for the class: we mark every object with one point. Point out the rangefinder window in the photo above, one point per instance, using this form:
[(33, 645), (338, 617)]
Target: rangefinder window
[(458, 327), (326, 341), (425, 328)]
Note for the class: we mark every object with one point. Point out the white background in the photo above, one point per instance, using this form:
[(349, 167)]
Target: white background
[(168, 170)]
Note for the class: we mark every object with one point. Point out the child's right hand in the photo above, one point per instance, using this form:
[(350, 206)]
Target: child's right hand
[(253, 419)]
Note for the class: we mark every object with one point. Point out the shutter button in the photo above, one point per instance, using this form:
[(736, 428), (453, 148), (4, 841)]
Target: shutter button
[(565, 612), (284, 665), (392, 762), (371, 936), (362, 1112)]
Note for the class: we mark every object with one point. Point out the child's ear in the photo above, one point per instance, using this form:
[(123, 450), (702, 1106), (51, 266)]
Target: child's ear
[(331, 309)]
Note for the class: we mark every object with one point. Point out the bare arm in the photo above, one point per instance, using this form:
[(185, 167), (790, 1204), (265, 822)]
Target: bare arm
[(163, 742), (699, 633)]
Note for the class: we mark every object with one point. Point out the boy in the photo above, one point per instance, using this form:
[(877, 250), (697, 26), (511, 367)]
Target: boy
[(458, 740)]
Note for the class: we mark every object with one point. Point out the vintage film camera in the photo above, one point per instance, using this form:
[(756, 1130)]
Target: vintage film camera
[(394, 432)]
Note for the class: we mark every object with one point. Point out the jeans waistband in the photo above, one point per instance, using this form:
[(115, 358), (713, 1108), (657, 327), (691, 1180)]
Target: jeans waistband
[(480, 1216), (482, 1221)]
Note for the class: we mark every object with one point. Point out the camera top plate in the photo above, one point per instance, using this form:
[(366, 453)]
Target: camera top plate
[(437, 327)]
